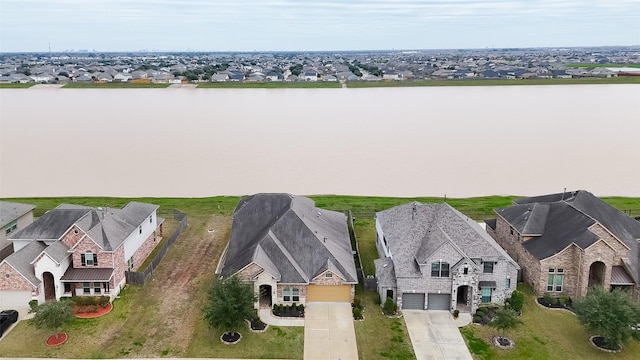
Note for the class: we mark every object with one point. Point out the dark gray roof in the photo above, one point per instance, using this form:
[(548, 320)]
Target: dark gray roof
[(21, 260), (567, 221), (289, 237), (10, 211), (87, 274), (414, 231), (51, 226)]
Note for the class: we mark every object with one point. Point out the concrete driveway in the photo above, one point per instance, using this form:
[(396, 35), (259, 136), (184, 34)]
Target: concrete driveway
[(329, 332), (435, 336)]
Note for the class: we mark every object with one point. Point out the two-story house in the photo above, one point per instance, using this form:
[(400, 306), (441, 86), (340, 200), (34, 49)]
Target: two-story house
[(13, 217), (434, 257), (78, 251)]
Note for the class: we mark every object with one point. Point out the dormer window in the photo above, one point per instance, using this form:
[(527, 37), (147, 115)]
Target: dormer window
[(89, 259)]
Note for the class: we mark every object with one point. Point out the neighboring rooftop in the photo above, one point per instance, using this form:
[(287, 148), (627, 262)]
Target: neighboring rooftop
[(10, 211)]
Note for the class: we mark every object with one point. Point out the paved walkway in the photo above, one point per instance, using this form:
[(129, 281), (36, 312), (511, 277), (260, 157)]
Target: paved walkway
[(435, 335), (329, 332)]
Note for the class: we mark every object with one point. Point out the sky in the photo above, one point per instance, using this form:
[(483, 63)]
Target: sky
[(313, 25)]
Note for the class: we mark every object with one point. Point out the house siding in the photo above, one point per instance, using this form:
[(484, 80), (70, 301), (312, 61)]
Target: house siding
[(140, 255)]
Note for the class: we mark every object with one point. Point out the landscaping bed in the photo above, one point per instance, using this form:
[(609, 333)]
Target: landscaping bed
[(288, 310)]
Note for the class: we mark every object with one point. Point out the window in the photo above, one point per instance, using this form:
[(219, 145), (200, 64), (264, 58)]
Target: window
[(89, 259), (86, 287), (465, 270), (11, 227), (140, 229), (151, 219), (96, 287), (130, 264), (286, 294), (511, 231), (439, 269), (296, 294), (105, 286), (328, 275), (486, 294), (488, 267), (507, 283), (555, 280)]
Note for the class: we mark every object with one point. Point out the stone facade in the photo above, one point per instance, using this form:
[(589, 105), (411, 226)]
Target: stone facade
[(250, 272), (322, 279), (302, 292), (574, 261)]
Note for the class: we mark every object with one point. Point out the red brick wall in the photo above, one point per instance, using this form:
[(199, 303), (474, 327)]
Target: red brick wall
[(143, 251), (105, 259), (15, 281), (72, 236)]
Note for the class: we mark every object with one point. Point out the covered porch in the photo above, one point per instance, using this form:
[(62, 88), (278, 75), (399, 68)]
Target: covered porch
[(88, 282)]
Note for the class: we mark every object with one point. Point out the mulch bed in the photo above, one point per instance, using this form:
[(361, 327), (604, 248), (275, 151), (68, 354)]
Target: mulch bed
[(598, 341), (231, 338), (257, 326), (503, 342), (83, 312), (556, 305), (57, 339)]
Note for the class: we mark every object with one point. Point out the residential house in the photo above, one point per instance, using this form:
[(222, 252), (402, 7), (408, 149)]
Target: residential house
[(78, 251), (310, 76), (433, 257), (274, 76), (222, 77), (290, 250), (121, 77), (570, 241), (13, 217), (391, 75)]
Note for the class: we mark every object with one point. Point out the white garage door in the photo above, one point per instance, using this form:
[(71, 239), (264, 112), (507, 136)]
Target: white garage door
[(439, 301), (412, 301), (14, 298)]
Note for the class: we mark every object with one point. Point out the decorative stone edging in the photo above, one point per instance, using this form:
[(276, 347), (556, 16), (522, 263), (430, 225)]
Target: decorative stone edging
[(553, 309), (603, 349), (497, 344), (230, 343), (266, 326)]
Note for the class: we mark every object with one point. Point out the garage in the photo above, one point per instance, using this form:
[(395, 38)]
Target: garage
[(329, 293), (413, 301), (439, 302), (14, 298)]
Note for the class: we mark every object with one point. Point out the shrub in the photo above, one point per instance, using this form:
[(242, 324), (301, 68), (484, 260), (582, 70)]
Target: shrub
[(389, 307), (377, 300), (517, 300), (565, 300), (301, 308), (477, 319), (480, 311), (357, 302), (103, 301), (357, 313), (33, 305), (548, 299), (456, 312)]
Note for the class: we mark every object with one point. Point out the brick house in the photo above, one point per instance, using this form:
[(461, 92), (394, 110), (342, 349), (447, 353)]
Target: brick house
[(78, 251), (568, 242), (290, 250), (434, 257), (13, 217)]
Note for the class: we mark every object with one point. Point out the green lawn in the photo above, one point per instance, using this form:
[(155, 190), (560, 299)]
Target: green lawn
[(113, 85), (272, 85), (544, 334), (16, 86), (495, 82), (380, 337)]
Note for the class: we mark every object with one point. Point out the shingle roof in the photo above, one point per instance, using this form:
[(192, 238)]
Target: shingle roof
[(297, 238), (21, 260), (414, 231), (567, 221), (10, 211)]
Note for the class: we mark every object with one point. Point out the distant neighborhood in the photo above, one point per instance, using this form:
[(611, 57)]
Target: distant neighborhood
[(175, 68)]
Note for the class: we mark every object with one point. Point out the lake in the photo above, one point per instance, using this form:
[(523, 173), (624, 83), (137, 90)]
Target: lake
[(431, 141)]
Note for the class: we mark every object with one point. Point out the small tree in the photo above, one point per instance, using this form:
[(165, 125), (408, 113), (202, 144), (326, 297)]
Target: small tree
[(516, 301), (230, 303), (505, 320), (389, 307), (610, 315), (53, 315)]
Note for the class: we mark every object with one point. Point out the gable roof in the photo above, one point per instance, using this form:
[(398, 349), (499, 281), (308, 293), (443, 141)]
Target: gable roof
[(10, 211), (108, 227), (414, 231), (290, 234), (21, 260), (569, 217)]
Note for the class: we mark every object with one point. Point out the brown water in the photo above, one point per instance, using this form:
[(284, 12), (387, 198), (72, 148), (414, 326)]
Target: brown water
[(458, 141)]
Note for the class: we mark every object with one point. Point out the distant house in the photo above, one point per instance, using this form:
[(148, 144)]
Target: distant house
[(13, 217), (391, 75), (78, 251), (222, 77), (433, 257), (121, 77), (568, 242), (291, 251), (310, 76), (274, 76), (329, 78), (83, 79)]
